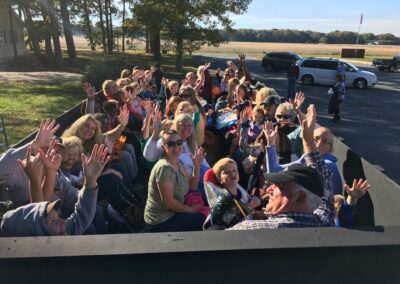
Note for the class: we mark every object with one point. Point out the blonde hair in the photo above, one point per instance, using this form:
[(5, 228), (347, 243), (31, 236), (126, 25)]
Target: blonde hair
[(122, 82), (183, 104), (337, 203), (220, 164), (286, 107), (257, 109), (171, 83), (74, 129), (72, 142), (263, 93), (191, 141), (106, 85), (125, 73)]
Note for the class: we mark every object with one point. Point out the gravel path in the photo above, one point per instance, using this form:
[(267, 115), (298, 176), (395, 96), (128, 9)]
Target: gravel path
[(39, 77)]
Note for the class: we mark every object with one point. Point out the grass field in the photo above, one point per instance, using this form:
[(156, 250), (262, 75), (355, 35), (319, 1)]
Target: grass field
[(255, 49), (23, 105)]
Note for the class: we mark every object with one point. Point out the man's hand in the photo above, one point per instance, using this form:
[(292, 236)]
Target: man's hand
[(93, 166), (241, 57), (51, 159), (32, 166), (46, 131), (270, 133), (307, 132), (357, 190), (90, 91)]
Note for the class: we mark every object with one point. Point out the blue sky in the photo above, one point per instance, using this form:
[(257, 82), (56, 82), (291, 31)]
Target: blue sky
[(379, 16)]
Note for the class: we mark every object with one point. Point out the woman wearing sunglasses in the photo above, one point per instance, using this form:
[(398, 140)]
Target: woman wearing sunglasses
[(168, 184)]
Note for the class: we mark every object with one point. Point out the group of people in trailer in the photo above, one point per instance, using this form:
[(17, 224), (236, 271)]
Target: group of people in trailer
[(150, 154)]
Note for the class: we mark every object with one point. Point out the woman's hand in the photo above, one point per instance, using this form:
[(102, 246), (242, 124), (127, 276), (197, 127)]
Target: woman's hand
[(198, 157), (46, 131), (245, 115), (270, 133), (93, 166), (358, 190), (148, 107), (90, 91), (298, 101), (109, 142), (123, 116)]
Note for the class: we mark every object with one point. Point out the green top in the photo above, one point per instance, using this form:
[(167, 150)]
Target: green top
[(155, 212)]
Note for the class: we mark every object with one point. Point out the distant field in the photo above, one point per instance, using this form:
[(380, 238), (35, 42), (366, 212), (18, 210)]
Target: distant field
[(255, 49)]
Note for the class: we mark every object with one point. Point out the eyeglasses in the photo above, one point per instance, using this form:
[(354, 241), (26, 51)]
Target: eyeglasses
[(184, 96), (323, 140), (174, 143), (284, 116)]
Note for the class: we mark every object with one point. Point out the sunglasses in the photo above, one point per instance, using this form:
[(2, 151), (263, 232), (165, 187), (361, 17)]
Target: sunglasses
[(184, 96), (284, 116), (174, 143)]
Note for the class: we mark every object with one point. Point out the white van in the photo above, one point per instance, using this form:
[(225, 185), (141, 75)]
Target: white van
[(324, 70)]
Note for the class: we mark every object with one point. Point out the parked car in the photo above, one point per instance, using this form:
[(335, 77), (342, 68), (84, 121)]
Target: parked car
[(279, 60), (324, 70), (392, 65)]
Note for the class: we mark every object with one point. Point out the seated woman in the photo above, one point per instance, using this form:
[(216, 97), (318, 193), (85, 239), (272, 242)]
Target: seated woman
[(230, 204), (199, 117), (182, 124), (168, 184)]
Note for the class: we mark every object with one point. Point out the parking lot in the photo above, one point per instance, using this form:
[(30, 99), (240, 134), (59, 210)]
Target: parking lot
[(370, 122)]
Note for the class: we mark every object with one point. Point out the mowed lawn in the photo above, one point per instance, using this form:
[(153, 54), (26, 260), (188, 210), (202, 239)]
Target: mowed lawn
[(24, 105)]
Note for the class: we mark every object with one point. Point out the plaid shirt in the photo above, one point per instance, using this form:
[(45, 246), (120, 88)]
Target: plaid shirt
[(321, 217)]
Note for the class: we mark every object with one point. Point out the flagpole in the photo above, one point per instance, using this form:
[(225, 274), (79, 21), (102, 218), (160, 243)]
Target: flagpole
[(358, 35)]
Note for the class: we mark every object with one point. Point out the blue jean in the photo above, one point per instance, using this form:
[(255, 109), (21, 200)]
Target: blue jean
[(291, 87), (180, 222)]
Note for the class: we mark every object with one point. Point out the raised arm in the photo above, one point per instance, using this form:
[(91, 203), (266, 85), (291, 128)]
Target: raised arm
[(197, 160), (325, 211), (85, 208), (91, 95), (123, 119), (33, 168)]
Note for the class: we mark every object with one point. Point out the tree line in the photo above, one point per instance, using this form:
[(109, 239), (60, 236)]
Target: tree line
[(180, 25), (297, 36)]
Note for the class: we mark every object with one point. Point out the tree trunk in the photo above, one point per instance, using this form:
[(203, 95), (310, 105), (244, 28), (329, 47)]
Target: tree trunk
[(179, 35), (147, 41), (12, 33), (69, 39), (32, 31), (156, 44), (49, 5), (103, 32), (88, 25), (106, 12), (179, 52), (111, 26), (123, 26), (47, 34)]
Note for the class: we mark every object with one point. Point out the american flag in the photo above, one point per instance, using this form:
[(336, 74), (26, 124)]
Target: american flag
[(361, 19)]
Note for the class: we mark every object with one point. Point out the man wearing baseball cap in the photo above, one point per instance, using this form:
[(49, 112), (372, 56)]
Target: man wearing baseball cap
[(300, 196)]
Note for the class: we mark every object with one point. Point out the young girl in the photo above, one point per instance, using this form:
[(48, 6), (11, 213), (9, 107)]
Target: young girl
[(256, 124)]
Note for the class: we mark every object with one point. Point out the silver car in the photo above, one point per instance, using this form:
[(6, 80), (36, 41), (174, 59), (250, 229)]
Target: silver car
[(324, 70)]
